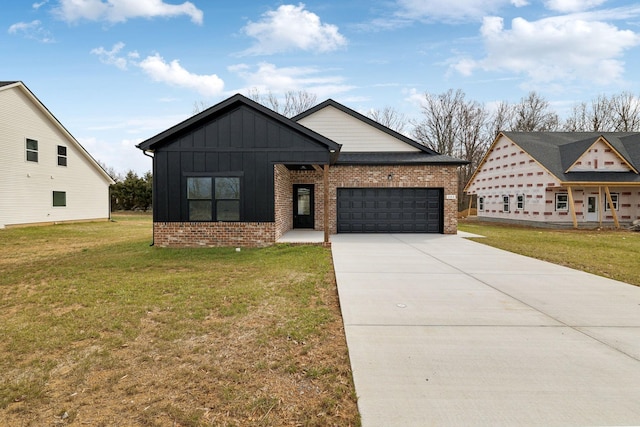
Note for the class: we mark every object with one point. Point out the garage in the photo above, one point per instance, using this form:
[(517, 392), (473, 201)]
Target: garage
[(390, 210)]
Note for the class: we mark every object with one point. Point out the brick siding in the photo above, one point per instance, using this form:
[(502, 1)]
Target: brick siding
[(258, 234), (213, 234)]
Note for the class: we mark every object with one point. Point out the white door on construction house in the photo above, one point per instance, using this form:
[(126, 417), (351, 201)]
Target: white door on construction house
[(592, 208)]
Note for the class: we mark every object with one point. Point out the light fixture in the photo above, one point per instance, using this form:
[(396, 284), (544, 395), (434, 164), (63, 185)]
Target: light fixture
[(390, 177)]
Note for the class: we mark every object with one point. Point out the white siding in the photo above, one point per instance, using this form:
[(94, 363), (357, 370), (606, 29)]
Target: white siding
[(353, 134), (26, 188)]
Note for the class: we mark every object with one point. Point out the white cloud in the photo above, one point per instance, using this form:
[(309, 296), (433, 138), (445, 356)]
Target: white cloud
[(122, 10), (111, 56), (291, 28), (32, 30), (565, 6), (174, 74), (155, 67), (267, 77), (451, 10), (552, 49), (37, 6)]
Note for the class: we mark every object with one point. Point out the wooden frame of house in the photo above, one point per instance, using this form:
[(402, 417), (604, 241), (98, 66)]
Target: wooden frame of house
[(239, 174), (560, 178), (46, 176)]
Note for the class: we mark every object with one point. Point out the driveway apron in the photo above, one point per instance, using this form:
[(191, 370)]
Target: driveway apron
[(443, 331)]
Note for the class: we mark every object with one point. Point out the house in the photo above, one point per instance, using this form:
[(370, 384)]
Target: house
[(239, 174), (46, 176), (560, 178)]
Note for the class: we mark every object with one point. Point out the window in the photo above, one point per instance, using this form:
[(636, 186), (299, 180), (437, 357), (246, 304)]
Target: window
[(481, 204), (199, 198), (505, 203), (520, 201), (562, 201), (227, 199), (32, 150), (62, 155), (614, 200), (202, 192), (59, 198)]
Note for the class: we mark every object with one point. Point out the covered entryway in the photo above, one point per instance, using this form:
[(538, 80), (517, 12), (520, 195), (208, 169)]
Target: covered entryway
[(390, 210)]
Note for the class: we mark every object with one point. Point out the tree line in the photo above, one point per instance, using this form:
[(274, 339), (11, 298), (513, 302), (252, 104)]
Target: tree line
[(130, 192), (453, 125)]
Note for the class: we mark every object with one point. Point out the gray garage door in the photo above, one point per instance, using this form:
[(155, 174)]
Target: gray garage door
[(390, 210)]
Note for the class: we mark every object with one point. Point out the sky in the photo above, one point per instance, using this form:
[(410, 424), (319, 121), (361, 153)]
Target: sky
[(117, 72)]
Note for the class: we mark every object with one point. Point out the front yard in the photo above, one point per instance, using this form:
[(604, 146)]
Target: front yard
[(98, 328), (609, 253)]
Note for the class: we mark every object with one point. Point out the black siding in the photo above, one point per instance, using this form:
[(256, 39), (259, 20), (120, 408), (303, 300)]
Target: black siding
[(241, 142)]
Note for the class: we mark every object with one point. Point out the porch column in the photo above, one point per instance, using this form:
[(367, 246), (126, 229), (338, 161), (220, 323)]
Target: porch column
[(572, 207), (325, 177), (610, 203)]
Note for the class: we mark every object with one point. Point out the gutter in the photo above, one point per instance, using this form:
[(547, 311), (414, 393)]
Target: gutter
[(153, 172)]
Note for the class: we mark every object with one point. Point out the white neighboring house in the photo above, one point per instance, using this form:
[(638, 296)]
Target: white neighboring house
[(46, 176)]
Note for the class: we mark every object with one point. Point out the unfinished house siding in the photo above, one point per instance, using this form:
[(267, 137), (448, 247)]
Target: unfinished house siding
[(213, 234), (510, 172)]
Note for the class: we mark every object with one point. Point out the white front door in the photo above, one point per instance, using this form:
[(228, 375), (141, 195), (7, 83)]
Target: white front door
[(592, 208)]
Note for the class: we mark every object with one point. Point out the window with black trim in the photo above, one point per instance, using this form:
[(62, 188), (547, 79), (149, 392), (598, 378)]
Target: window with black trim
[(614, 199), (227, 199), (213, 198), (59, 198), (32, 150), (62, 155), (520, 201), (505, 203), (562, 201), (199, 198)]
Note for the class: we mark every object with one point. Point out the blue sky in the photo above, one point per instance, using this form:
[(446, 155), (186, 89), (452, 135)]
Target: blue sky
[(116, 72)]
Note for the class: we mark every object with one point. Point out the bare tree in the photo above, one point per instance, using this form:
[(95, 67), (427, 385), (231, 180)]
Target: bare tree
[(500, 119), (199, 106), (578, 119), (533, 114), (619, 113), (438, 128), (292, 103), (390, 118), (625, 111)]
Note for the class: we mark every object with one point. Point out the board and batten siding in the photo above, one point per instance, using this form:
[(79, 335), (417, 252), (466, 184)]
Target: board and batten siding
[(353, 134), (26, 188)]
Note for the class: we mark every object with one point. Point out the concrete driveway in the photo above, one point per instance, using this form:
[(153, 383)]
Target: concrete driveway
[(443, 331)]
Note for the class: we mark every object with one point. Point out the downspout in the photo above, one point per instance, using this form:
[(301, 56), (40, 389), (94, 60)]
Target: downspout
[(153, 172)]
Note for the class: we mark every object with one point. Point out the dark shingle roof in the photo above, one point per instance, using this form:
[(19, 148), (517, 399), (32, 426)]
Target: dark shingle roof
[(7, 83), (557, 151), (397, 158)]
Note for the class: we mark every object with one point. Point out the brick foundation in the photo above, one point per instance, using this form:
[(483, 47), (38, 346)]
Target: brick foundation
[(213, 234)]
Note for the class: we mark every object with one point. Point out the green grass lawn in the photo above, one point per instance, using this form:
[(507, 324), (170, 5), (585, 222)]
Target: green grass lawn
[(100, 328), (610, 253)]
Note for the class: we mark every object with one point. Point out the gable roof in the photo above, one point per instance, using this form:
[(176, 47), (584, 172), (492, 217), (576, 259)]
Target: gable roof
[(7, 85), (419, 154), (366, 120), (557, 151), (228, 105)]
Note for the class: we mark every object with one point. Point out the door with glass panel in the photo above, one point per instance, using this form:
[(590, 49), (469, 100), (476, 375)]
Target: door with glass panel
[(303, 206)]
